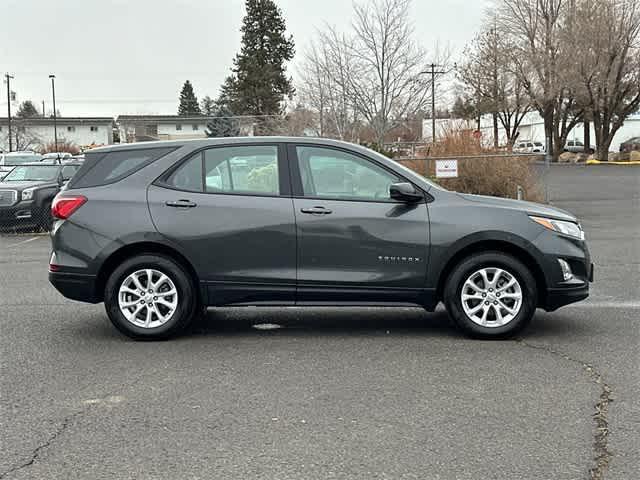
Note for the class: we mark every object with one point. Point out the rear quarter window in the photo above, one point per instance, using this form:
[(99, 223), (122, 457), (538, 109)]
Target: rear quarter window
[(110, 167)]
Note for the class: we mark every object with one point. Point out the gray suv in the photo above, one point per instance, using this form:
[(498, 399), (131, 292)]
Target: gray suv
[(160, 231)]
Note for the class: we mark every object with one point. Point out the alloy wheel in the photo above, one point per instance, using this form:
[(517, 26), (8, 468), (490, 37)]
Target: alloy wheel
[(491, 297), (148, 298)]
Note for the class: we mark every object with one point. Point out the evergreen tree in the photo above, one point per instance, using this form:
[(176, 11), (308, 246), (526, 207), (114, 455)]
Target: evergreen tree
[(223, 125), (258, 83), (27, 110), (207, 105), (464, 108), (188, 101)]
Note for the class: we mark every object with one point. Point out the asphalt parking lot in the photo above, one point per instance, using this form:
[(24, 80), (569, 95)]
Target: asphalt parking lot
[(355, 393)]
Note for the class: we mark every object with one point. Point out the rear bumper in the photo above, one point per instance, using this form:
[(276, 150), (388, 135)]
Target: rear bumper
[(75, 286)]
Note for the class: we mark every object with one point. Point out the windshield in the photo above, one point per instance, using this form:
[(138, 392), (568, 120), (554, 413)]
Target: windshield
[(33, 173)]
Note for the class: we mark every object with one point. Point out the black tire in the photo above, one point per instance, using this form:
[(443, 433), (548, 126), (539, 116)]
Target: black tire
[(463, 270), (188, 301)]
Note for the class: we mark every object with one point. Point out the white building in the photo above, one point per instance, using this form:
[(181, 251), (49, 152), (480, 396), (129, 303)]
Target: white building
[(32, 133), (531, 128), (136, 128)]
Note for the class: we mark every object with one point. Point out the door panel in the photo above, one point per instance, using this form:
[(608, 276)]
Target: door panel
[(355, 244), (234, 242), (362, 244)]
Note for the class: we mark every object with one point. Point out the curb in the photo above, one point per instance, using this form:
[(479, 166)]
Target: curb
[(598, 162)]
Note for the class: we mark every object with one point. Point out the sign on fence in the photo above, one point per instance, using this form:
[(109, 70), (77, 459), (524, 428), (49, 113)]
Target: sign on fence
[(446, 168)]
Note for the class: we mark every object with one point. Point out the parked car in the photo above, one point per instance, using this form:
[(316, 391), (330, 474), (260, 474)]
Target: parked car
[(157, 231), (528, 146), (74, 159), (11, 159), (630, 145), (576, 146), (60, 156), (27, 191)]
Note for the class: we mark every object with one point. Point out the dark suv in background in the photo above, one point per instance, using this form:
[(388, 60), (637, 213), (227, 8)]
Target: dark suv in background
[(27, 191), (157, 231)]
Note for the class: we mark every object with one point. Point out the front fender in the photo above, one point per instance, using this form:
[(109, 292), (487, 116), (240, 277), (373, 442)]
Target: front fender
[(444, 257)]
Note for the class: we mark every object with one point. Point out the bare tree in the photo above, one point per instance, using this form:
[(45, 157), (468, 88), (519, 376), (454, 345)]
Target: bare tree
[(387, 84), (489, 75), (374, 74), (537, 31), (608, 54), (22, 138), (324, 74)]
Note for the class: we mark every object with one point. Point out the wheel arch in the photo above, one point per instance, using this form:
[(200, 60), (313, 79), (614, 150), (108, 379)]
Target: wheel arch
[(480, 246), (141, 248)]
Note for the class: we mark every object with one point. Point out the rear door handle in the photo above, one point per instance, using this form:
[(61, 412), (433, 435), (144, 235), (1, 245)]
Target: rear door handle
[(316, 211), (181, 204)]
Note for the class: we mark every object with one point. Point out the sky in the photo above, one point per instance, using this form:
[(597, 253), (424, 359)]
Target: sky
[(115, 57)]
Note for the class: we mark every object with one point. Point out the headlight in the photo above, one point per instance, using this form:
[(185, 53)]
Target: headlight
[(566, 228), (28, 194)]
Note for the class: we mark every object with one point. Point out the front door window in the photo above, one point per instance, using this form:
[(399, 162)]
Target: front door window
[(329, 173)]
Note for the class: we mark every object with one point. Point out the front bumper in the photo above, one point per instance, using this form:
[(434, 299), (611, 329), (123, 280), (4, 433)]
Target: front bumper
[(570, 292), (22, 214)]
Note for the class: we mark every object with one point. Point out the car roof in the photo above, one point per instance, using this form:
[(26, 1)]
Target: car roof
[(204, 142), (40, 164)]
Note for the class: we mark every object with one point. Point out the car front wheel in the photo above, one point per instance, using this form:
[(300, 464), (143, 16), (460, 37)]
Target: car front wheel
[(150, 297), (491, 295)]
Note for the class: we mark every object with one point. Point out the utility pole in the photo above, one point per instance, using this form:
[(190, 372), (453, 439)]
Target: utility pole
[(55, 119), (8, 80), (433, 73), (43, 113)]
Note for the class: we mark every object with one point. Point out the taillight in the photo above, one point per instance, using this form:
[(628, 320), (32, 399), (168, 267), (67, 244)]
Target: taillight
[(64, 207)]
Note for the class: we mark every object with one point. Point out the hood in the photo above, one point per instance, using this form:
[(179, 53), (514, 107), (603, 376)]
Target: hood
[(528, 207), (23, 185)]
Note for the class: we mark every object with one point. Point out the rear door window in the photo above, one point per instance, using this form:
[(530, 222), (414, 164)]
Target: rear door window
[(242, 170), (110, 167)]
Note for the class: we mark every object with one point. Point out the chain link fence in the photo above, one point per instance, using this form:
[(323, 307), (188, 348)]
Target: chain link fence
[(518, 176)]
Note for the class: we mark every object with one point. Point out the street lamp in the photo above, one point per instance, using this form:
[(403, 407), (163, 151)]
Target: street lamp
[(8, 80), (55, 119)]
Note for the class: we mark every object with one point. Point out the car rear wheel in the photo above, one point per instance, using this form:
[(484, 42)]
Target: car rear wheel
[(491, 295), (150, 297)]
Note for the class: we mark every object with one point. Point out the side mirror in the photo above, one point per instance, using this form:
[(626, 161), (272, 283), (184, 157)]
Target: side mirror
[(405, 191)]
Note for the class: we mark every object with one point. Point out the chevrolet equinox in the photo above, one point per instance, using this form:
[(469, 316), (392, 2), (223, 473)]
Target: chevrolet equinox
[(160, 231)]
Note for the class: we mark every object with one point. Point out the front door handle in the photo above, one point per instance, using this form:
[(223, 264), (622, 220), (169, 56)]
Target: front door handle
[(316, 211), (181, 204)]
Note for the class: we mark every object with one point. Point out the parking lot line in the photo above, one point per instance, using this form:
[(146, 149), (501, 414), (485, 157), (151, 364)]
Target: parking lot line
[(607, 304), (23, 242)]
